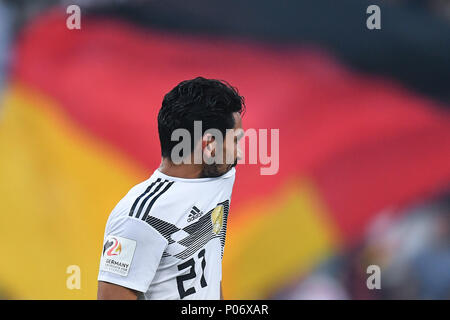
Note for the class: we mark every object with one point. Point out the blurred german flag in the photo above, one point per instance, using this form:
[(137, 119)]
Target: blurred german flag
[(78, 129)]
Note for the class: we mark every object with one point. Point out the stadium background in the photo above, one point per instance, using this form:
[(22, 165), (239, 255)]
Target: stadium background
[(364, 139)]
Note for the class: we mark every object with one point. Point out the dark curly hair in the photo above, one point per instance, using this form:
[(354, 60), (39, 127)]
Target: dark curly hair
[(208, 100)]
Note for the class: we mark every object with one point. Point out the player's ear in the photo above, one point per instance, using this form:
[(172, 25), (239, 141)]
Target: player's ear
[(208, 145)]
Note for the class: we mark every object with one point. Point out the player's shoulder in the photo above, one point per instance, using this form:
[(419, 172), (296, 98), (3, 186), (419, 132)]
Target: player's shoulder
[(145, 199), (166, 198)]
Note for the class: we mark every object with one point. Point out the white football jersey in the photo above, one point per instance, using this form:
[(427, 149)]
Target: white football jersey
[(166, 237)]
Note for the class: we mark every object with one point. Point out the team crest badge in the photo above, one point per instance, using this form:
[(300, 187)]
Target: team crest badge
[(217, 219)]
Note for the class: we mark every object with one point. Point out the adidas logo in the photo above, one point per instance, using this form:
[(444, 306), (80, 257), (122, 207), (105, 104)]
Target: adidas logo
[(194, 214)]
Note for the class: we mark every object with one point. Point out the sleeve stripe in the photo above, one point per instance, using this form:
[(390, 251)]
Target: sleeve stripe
[(143, 194), (154, 199), (141, 207)]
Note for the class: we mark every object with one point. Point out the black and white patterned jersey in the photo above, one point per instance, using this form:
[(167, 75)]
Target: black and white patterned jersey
[(166, 237)]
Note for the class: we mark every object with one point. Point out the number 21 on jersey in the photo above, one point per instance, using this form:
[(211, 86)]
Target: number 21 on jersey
[(191, 275)]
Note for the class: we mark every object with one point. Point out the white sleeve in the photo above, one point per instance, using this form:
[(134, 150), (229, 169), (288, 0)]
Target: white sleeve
[(131, 253)]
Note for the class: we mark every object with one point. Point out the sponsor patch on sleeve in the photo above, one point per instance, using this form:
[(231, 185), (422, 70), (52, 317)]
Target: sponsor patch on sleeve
[(117, 255)]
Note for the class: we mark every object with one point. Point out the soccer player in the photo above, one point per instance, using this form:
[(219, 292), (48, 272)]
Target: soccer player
[(165, 239)]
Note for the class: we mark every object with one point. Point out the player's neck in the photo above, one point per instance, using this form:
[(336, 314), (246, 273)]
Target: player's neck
[(187, 171)]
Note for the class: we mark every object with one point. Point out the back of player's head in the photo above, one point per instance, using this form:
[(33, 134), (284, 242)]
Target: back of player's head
[(208, 100)]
